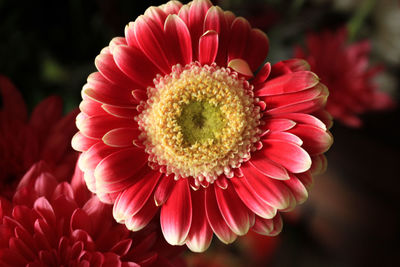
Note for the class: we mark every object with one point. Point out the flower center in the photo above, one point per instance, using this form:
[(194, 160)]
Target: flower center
[(200, 122)]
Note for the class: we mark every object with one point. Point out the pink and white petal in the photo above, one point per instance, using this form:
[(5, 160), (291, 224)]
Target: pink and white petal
[(315, 140), (251, 199), (215, 20), (303, 119), (272, 191), (91, 107), (82, 143), (238, 41), (269, 227), (288, 83), (116, 41), (215, 219), (96, 153), (284, 136), (172, 7), (308, 106), (132, 200), (257, 49), (277, 125), (296, 64), (178, 40), (184, 14), (164, 189), (291, 156), (197, 12), (136, 65), (235, 213), (121, 112), (121, 137), (208, 47), (97, 126), (200, 234), (176, 214), (156, 14), (298, 189), (106, 65), (306, 179), (120, 165), (150, 38), (268, 167), (280, 100)]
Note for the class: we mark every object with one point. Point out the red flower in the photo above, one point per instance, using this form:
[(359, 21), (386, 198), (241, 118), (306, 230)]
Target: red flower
[(63, 224), (219, 150), (45, 136), (346, 71)]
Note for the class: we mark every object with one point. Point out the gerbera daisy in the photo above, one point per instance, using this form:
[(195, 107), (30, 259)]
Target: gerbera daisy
[(62, 224), (24, 141), (345, 69), (176, 120)]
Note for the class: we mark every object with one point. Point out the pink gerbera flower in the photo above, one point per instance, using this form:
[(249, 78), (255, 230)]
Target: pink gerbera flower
[(345, 69), (176, 120), (24, 141), (62, 224)]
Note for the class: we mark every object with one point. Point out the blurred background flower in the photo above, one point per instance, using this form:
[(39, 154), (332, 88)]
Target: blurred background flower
[(352, 216)]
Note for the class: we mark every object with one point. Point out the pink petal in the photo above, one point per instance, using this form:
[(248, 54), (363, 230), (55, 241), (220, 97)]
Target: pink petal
[(269, 227), (270, 190), (288, 83), (150, 38), (262, 74), (121, 137), (251, 199), (136, 65), (176, 214), (44, 208), (178, 40), (257, 49), (215, 219), (197, 12), (46, 114), (215, 20), (131, 200), (319, 164), (268, 167), (234, 212), (80, 220), (120, 165), (291, 156), (208, 47), (164, 189), (304, 119), (240, 30), (200, 234)]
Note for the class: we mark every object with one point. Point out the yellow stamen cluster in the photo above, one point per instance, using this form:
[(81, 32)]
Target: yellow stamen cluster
[(200, 122)]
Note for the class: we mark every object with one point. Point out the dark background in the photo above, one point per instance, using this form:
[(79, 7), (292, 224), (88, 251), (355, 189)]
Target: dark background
[(352, 215)]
